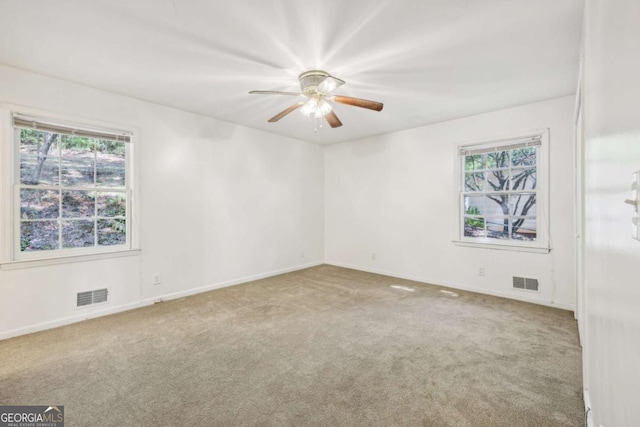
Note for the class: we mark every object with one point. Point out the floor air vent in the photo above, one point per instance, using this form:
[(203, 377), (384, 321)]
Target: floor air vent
[(526, 284), (96, 296)]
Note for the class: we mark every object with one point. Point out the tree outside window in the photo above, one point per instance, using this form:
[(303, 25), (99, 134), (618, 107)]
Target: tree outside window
[(499, 193), (72, 191)]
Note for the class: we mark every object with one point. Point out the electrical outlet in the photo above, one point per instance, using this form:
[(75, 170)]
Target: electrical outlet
[(156, 279), (481, 271)]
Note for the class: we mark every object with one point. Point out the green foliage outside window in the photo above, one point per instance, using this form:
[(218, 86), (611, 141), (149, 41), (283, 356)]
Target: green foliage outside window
[(474, 222)]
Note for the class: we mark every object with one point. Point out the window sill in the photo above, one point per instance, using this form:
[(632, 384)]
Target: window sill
[(503, 247), (42, 262)]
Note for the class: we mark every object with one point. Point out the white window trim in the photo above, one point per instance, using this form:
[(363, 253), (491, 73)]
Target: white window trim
[(11, 258), (542, 243), (42, 262)]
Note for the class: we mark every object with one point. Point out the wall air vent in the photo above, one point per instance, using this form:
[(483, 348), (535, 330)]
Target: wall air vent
[(97, 296), (525, 284)]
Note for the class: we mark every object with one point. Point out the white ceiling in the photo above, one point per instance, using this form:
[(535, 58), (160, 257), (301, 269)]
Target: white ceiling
[(426, 60)]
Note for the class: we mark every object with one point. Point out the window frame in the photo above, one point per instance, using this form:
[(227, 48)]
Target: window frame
[(542, 242), (10, 254)]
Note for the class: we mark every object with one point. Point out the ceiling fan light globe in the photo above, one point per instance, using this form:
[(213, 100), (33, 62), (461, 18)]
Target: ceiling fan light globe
[(317, 108), (323, 108), (309, 107)]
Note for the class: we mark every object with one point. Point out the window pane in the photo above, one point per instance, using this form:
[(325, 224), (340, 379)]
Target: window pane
[(38, 204), (112, 232), (110, 164), (77, 161), (77, 204), (474, 227), (112, 204), (524, 229), (498, 180), (36, 170), (522, 205), (30, 141), (497, 205), (523, 179), (38, 236), (524, 156), (77, 233), (474, 181), (498, 159), (76, 172), (38, 143), (475, 162), (498, 228), (474, 205)]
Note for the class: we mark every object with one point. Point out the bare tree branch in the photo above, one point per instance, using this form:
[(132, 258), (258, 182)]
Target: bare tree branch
[(43, 152)]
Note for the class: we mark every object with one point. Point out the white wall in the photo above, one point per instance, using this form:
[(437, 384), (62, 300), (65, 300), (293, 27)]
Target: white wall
[(394, 195), (612, 262), (219, 203)]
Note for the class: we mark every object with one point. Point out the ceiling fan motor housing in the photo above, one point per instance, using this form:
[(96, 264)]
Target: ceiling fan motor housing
[(310, 80)]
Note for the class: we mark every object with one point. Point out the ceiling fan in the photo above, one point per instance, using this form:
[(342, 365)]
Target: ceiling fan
[(316, 87)]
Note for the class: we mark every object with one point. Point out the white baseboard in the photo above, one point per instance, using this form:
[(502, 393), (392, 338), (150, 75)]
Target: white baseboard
[(72, 319), (188, 292), (524, 298), (587, 408), (148, 301)]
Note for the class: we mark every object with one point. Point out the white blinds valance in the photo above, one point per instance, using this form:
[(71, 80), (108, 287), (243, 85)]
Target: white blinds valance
[(25, 122), (533, 141)]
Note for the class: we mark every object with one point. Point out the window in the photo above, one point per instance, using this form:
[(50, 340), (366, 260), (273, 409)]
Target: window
[(501, 195), (71, 189)]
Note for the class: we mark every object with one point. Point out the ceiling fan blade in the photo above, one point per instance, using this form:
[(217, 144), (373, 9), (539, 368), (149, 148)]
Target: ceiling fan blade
[(274, 92), (283, 113), (357, 102), (329, 84), (333, 120)]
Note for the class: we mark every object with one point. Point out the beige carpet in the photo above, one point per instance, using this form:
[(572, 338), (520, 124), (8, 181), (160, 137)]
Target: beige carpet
[(324, 346)]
